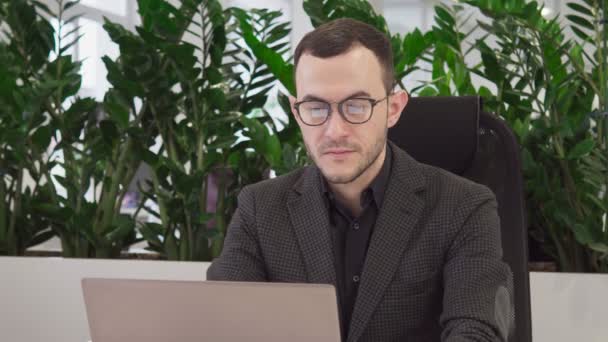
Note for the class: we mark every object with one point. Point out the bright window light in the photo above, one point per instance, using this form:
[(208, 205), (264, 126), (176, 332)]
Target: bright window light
[(91, 48), (118, 7)]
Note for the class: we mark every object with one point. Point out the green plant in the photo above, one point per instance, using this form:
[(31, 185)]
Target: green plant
[(60, 130), (204, 131), (96, 142), (408, 50), (265, 49), (551, 89), (151, 64), (24, 134), (544, 84)]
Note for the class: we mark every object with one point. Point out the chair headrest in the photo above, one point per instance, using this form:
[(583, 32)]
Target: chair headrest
[(440, 131)]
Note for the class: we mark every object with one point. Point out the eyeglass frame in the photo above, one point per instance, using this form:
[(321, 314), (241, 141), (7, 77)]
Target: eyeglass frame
[(373, 102)]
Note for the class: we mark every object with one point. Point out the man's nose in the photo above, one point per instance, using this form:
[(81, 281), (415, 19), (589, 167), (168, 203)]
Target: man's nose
[(336, 125)]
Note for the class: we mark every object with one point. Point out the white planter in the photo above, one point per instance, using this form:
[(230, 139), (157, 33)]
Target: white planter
[(41, 299), (569, 307)]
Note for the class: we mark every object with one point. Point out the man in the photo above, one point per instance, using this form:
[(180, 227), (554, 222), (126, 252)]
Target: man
[(414, 251)]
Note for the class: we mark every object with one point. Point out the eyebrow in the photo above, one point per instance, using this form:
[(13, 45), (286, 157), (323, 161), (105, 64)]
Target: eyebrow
[(360, 93)]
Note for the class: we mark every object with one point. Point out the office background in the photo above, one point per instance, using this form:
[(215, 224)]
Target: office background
[(44, 292)]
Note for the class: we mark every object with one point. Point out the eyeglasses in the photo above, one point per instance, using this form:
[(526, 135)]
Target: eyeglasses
[(354, 110)]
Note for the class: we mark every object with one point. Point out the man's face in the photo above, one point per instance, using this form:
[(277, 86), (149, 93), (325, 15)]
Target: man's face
[(344, 151)]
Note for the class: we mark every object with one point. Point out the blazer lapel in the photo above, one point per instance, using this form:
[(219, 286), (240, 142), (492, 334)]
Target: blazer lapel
[(311, 225), (401, 209)]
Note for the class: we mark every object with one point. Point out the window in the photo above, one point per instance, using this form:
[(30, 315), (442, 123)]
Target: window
[(118, 7), (91, 48), (403, 16)]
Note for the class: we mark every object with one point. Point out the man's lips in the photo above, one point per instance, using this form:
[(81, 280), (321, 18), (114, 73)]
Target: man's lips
[(338, 152)]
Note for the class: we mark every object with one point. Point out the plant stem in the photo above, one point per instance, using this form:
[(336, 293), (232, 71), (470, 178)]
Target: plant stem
[(162, 206), (139, 207), (557, 141), (400, 82), (202, 200), (190, 236), (564, 259), (130, 173), (603, 121), (83, 187), (115, 181), (11, 234), (67, 250), (600, 43), (108, 175), (3, 206), (580, 257), (53, 190), (220, 221)]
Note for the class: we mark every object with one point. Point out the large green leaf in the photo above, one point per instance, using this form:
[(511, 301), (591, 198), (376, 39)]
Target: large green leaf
[(264, 143), (414, 45), (282, 70), (581, 149), (42, 137), (253, 85), (580, 8), (580, 21), (117, 107)]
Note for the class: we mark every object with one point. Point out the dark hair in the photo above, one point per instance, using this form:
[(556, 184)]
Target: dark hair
[(339, 36)]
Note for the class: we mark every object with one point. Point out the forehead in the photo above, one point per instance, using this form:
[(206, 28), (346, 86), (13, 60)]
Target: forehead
[(335, 77)]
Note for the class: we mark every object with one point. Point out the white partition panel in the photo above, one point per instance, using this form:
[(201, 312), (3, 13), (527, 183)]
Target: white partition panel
[(569, 307), (41, 299)]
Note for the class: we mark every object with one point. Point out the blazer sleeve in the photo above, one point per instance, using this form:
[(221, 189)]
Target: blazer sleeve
[(478, 285), (241, 259)]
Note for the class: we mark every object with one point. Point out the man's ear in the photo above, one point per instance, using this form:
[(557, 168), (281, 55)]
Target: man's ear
[(396, 103), (292, 102)]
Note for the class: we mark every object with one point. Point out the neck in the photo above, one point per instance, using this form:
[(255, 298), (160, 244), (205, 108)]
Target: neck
[(349, 194)]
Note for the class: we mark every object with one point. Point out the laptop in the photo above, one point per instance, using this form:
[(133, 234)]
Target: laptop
[(187, 311)]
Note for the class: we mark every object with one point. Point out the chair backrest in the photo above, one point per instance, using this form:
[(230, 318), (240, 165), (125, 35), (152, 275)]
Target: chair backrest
[(455, 134)]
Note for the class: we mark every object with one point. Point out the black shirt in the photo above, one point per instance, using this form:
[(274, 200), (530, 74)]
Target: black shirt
[(351, 236)]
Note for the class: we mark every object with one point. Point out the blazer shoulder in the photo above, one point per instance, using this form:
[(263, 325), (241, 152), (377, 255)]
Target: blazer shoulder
[(453, 199), (440, 184), (275, 189), (454, 186)]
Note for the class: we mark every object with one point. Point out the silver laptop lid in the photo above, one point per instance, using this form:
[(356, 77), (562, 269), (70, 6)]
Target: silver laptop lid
[(188, 311)]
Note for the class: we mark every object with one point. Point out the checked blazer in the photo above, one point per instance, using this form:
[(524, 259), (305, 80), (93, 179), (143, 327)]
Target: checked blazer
[(433, 270)]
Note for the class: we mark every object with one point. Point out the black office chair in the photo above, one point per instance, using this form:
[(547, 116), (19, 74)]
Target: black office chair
[(455, 134)]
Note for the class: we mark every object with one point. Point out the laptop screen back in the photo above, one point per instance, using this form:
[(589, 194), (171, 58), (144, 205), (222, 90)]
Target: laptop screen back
[(187, 311)]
